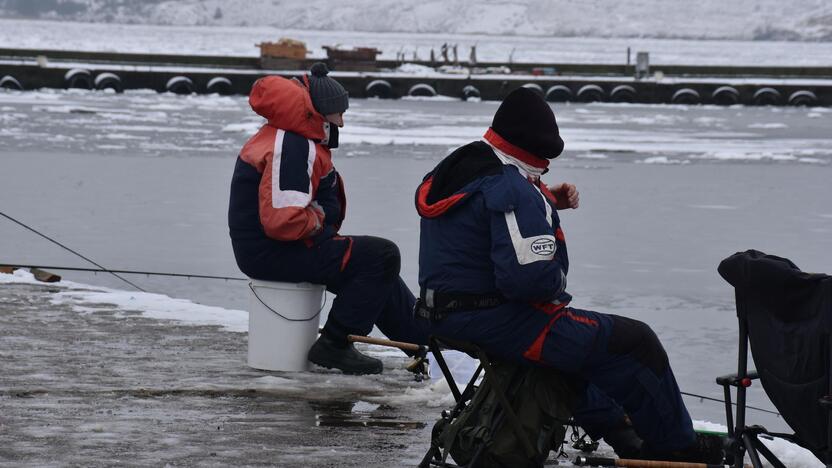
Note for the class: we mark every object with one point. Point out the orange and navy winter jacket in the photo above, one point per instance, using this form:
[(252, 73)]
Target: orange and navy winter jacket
[(284, 186)]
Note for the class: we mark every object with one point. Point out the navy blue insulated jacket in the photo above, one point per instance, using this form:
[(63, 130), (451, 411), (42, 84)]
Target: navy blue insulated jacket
[(486, 228)]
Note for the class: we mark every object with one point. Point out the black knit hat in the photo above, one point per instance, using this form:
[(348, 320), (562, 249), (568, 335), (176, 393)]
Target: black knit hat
[(525, 120), (328, 96)]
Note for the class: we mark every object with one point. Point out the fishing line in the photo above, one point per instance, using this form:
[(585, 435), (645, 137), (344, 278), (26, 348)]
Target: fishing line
[(703, 397), (116, 273), (105, 270)]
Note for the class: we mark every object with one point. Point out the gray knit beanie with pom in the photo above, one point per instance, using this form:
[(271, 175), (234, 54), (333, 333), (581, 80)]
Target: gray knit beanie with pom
[(328, 96)]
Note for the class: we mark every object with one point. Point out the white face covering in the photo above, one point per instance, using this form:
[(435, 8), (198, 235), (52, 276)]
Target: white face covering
[(526, 169)]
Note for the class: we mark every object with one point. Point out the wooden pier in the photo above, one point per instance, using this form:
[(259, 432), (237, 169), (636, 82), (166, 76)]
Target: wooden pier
[(676, 84)]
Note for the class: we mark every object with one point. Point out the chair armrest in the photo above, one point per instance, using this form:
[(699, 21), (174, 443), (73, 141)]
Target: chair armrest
[(735, 380)]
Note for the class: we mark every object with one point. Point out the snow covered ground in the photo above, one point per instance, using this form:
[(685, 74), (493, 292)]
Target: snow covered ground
[(140, 181), (236, 41)]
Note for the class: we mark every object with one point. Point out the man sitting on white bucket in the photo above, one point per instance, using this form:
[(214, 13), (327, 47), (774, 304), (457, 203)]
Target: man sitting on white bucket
[(287, 205)]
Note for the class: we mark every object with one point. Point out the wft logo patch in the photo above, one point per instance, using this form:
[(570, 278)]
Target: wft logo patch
[(543, 247)]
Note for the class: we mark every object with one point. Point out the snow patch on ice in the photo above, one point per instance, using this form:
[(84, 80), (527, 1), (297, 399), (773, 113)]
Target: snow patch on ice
[(768, 125), (18, 277), (415, 69), (592, 156), (249, 128), (812, 161), (157, 306), (714, 207), (273, 381), (790, 454), (150, 305), (662, 160), (436, 395), (364, 407), (438, 97)]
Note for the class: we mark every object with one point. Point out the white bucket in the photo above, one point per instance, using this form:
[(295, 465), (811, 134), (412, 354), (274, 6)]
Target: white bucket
[(282, 324)]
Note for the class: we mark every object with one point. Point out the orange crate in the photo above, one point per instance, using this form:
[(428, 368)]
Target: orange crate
[(284, 48)]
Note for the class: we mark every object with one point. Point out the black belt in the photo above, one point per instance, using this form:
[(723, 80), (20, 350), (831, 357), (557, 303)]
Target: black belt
[(435, 306)]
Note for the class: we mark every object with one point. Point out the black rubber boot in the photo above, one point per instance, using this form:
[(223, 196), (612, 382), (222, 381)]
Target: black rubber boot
[(624, 440), (707, 448), (331, 354)]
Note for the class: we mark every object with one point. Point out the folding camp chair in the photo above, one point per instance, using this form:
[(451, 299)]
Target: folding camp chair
[(785, 315)]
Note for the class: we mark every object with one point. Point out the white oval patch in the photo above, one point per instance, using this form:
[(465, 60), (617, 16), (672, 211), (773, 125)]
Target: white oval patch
[(543, 247)]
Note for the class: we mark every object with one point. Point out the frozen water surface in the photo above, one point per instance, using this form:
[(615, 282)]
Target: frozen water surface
[(140, 181)]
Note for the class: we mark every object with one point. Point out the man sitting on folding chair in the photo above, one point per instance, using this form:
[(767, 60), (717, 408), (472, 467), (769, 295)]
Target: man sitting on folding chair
[(492, 271)]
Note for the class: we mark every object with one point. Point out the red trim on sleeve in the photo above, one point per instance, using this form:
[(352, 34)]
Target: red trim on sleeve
[(559, 234), (515, 151), (438, 208)]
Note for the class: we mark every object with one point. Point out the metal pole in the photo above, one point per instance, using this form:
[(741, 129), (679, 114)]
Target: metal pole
[(742, 370)]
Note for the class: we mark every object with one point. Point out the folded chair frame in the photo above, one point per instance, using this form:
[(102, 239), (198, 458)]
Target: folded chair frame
[(746, 439)]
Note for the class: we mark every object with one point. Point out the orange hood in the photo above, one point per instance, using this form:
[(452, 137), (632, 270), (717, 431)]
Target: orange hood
[(286, 104)]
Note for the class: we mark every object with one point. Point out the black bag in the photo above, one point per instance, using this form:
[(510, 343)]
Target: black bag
[(542, 401)]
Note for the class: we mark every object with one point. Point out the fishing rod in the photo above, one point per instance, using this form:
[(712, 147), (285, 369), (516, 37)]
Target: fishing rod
[(104, 270), (127, 272), (633, 463), (421, 349)]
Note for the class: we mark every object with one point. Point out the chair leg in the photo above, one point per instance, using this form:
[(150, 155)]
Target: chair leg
[(752, 452), (433, 451), (760, 447), (828, 406), (433, 344)]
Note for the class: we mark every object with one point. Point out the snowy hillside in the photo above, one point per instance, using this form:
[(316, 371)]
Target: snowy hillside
[(710, 19)]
